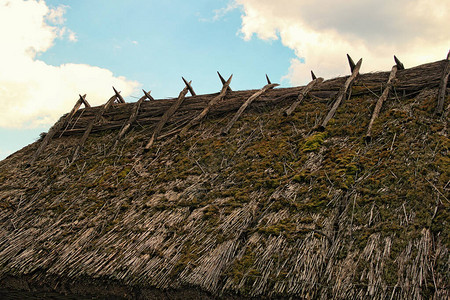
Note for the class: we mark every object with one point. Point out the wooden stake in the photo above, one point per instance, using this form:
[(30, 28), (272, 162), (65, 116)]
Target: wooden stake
[(380, 101), (247, 103), (83, 99), (166, 117), (268, 80), (121, 100), (443, 86), (341, 94), (88, 130), (188, 85), (223, 80), (205, 111), (131, 119), (313, 75), (57, 126), (303, 94), (149, 97), (351, 63), (399, 64)]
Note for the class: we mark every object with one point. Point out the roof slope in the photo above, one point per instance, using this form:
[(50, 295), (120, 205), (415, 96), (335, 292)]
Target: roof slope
[(274, 208)]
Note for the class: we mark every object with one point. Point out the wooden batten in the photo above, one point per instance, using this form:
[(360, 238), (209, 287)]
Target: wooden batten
[(398, 63), (88, 130), (189, 86), (268, 80), (303, 94), (380, 101), (443, 86), (58, 126), (119, 97), (341, 94), (245, 104), (351, 63), (205, 111), (313, 76), (132, 117), (223, 81), (167, 116)]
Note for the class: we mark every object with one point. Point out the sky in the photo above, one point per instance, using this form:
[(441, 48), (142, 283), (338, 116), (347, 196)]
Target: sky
[(52, 51)]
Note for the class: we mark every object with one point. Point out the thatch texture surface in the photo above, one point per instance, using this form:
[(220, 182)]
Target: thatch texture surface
[(271, 210)]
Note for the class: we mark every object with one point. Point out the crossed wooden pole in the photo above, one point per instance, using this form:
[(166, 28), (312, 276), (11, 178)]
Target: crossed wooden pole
[(225, 90)]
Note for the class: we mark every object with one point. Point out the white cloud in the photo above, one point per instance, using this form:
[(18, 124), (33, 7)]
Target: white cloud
[(321, 33), (33, 93), (56, 15), (221, 12), (72, 36)]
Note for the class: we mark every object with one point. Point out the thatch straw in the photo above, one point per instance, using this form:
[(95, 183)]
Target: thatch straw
[(271, 210)]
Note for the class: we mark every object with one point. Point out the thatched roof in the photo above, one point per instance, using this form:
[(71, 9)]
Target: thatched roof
[(275, 208)]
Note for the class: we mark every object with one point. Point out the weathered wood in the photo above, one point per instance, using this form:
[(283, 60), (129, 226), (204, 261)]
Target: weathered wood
[(131, 120), (88, 130), (81, 100), (121, 100), (409, 81), (149, 97), (189, 86), (245, 104), (341, 94), (313, 75), (56, 127), (76, 107), (443, 87), (85, 102), (268, 80), (399, 64), (205, 111), (303, 94), (351, 63), (167, 116), (223, 81), (380, 101)]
